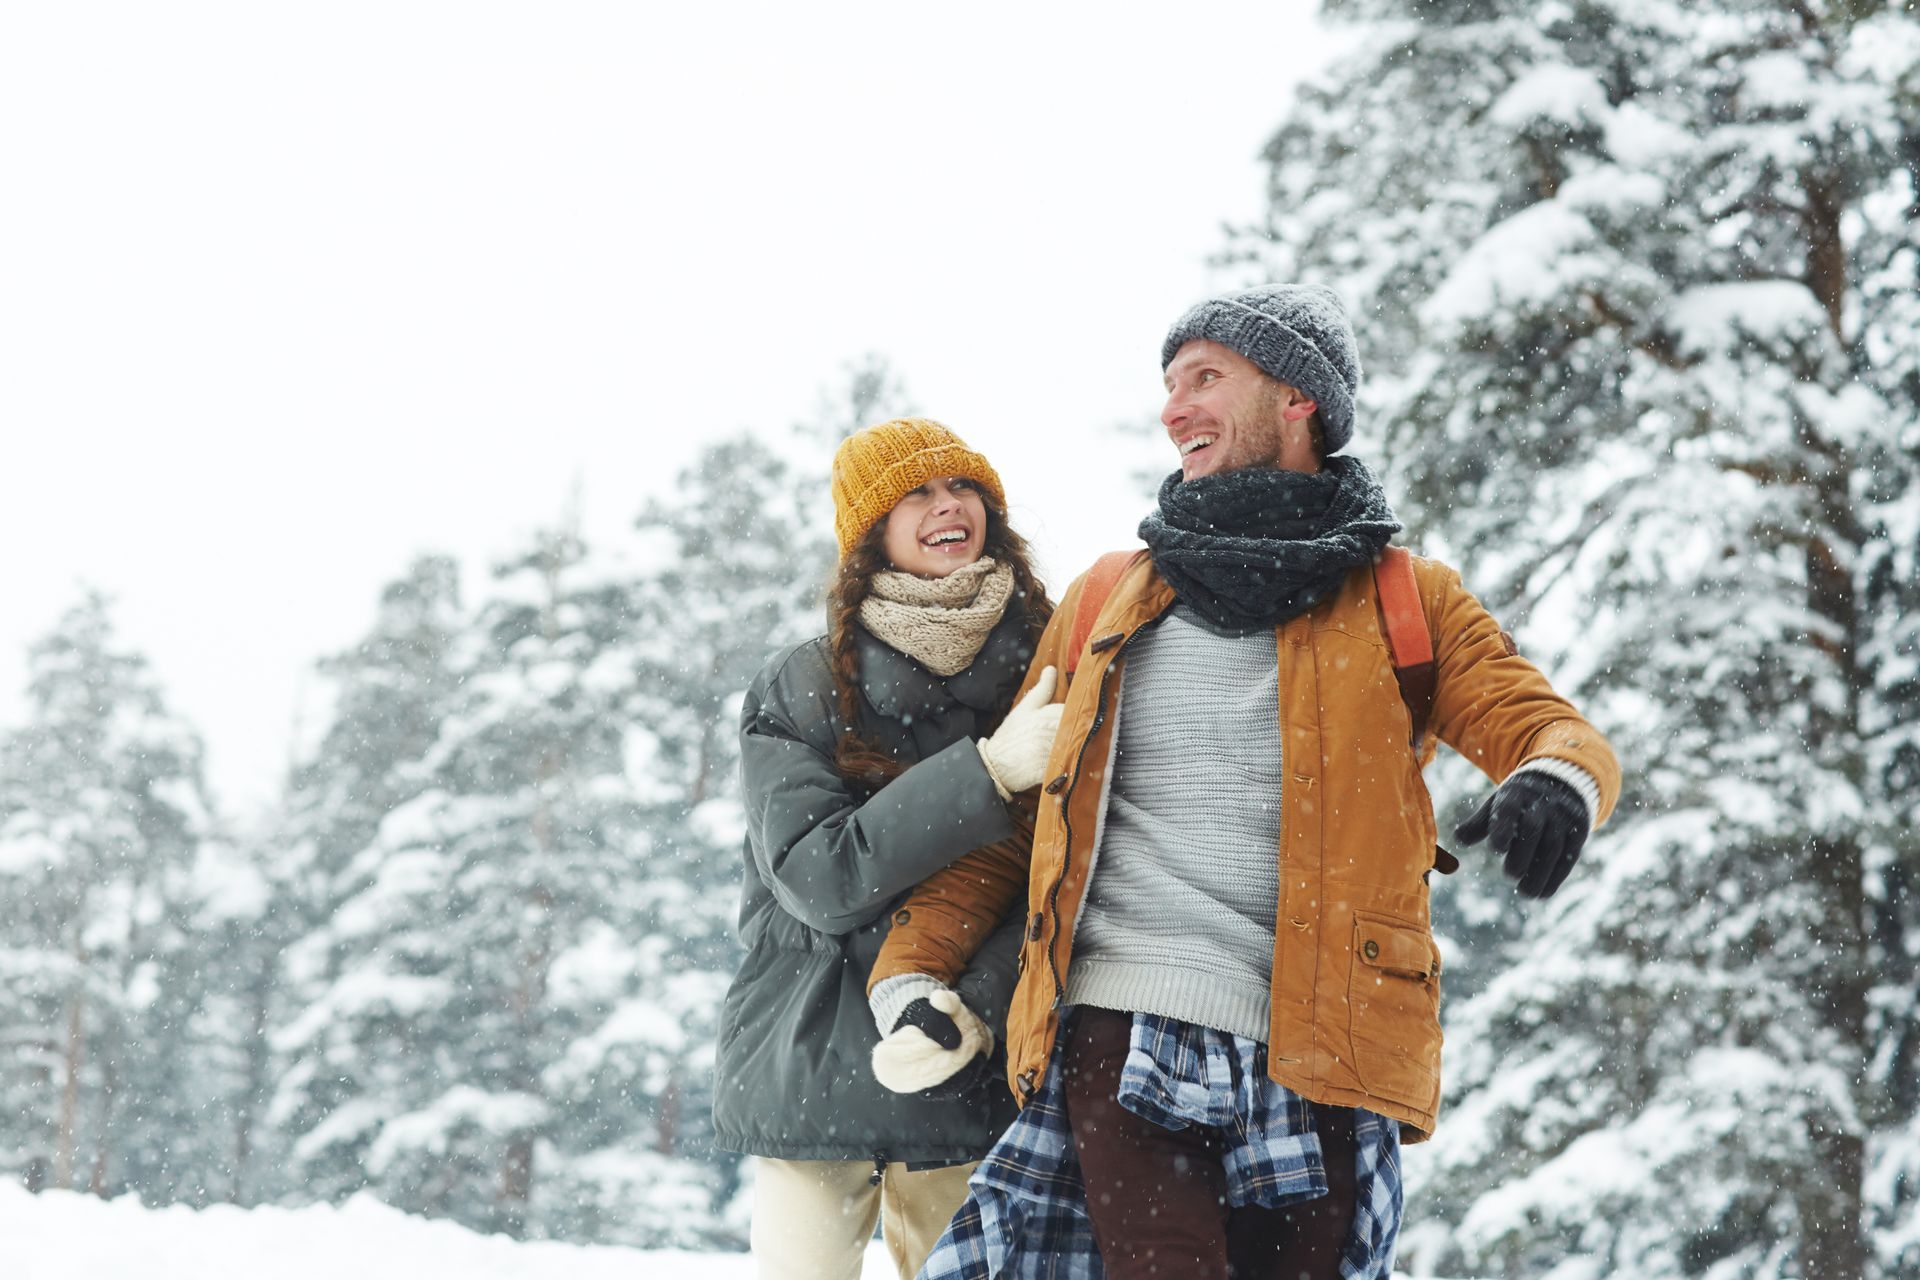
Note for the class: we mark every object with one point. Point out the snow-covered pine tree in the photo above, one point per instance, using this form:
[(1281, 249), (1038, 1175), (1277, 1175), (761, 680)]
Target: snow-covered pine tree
[(197, 1065), (235, 942), (1635, 287), (389, 696), (506, 857), (390, 693), (1890, 309), (102, 816)]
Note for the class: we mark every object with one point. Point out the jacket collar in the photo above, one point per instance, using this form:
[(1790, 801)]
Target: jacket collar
[(899, 688)]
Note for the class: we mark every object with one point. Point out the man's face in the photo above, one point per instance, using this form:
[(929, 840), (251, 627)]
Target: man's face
[(1224, 413)]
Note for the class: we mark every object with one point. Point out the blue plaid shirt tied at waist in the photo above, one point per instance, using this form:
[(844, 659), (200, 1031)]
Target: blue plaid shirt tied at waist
[(1025, 1216)]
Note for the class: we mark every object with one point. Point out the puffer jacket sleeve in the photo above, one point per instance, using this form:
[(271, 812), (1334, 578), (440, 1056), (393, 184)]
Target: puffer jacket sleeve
[(831, 860)]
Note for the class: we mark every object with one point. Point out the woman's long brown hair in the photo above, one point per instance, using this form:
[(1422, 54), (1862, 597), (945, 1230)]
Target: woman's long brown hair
[(859, 761)]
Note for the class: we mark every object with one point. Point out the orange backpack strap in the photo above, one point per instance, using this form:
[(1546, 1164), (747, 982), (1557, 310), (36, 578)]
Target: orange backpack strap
[(1407, 637), (1412, 647), (1101, 580)]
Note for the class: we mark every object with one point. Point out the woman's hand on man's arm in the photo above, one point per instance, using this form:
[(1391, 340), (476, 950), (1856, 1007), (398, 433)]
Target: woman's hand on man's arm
[(1016, 754)]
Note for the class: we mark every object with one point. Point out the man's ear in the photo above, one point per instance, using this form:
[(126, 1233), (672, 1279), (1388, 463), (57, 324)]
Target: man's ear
[(1299, 409)]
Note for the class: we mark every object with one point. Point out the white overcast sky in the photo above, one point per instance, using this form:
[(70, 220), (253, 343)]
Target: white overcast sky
[(291, 292)]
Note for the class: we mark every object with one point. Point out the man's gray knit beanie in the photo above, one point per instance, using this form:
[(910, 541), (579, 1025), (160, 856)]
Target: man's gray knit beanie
[(1297, 333)]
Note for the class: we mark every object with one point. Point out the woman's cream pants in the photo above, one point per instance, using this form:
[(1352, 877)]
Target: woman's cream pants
[(812, 1219)]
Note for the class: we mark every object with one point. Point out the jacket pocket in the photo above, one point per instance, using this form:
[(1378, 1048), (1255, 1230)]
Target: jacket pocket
[(1394, 998)]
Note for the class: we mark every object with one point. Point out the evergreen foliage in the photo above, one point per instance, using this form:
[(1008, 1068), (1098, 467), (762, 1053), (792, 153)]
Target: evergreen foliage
[(391, 693), (102, 822)]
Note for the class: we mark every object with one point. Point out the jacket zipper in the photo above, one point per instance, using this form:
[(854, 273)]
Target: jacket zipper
[(1066, 807)]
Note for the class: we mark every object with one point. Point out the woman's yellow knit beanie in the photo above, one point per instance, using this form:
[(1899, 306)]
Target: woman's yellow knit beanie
[(879, 465)]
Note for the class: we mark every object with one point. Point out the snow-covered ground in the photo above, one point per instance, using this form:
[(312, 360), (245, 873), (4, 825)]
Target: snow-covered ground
[(63, 1235)]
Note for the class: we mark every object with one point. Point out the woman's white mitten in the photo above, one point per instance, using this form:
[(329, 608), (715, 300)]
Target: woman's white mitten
[(911, 1061), (1016, 754)]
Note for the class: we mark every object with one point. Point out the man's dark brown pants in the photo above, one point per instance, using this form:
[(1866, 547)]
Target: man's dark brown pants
[(1158, 1198)]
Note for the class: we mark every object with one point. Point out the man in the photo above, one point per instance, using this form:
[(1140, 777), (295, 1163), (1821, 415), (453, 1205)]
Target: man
[(1217, 1050)]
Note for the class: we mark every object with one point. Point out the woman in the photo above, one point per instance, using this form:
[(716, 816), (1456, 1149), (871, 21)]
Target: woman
[(871, 758)]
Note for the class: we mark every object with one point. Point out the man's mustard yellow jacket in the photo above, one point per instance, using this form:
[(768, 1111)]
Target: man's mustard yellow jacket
[(1356, 975)]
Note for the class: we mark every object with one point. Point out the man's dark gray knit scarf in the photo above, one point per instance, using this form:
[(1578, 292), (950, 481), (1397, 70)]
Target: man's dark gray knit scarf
[(1255, 547)]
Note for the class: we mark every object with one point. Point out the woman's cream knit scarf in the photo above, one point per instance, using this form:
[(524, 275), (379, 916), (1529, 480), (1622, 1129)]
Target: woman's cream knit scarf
[(938, 622)]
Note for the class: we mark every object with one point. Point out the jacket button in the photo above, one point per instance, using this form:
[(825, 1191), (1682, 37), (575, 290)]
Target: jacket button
[(1033, 928), (902, 916), (1105, 643), (1058, 785), (1372, 950)]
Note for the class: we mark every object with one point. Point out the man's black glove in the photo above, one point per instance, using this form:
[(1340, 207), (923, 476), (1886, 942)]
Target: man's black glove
[(1537, 823), (938, 1049)]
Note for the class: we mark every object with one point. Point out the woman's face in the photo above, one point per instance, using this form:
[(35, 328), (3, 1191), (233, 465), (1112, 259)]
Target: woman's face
[(937, 528)]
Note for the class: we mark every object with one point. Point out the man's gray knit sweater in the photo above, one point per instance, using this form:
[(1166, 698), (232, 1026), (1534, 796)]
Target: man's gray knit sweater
[(1178, 919)]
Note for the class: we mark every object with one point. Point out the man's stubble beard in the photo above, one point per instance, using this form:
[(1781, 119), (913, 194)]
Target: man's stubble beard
[(1259, 440)]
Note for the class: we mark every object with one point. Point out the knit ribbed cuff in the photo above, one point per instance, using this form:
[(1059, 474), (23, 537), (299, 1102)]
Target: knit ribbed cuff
[(891, 997), (1574, 776), (986, 758)]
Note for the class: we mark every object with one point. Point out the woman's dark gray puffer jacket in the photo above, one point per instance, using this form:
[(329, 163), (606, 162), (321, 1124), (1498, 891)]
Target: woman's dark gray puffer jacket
[(827, 866)]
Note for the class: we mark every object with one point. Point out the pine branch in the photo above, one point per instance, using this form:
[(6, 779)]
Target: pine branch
[(1655, 346), (1809, 20), (1598, 512)]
